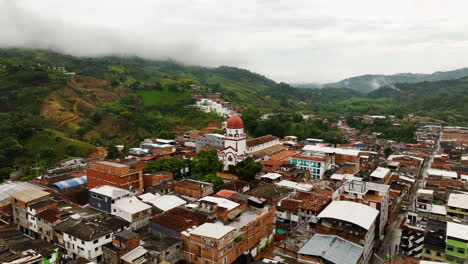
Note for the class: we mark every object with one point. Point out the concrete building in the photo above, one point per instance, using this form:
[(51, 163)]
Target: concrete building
[(27, 204), (85, 238), (351, 221), (209, 141), (341, 155), (134, 211), (456, 251), (103, 197), (317, 164), (247, 234), (457, 206), (372, 194), (330, 249)]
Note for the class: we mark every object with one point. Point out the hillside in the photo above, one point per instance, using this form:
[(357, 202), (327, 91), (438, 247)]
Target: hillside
[(371, 82), (46, 115)]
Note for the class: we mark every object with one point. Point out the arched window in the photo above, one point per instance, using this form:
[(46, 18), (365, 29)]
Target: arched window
[(230, 158)]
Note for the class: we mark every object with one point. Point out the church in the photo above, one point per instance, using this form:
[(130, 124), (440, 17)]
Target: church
[(237, 148), (235, 143)]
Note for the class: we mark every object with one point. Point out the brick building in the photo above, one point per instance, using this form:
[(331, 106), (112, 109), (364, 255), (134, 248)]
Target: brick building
[(193, 188), (224, 243), (150, 179), (122, 175)]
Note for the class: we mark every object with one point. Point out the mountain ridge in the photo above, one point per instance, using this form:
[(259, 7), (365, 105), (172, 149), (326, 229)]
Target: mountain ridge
[(369, 82)]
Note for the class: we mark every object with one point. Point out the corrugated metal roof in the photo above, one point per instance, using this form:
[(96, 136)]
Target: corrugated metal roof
[(71, 182), (333, 249), (8, 188)]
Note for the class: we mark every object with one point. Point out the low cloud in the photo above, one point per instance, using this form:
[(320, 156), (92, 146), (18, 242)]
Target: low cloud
[(293, 41)]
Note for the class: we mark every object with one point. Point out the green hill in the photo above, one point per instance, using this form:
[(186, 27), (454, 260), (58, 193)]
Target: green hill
[(46, 115)]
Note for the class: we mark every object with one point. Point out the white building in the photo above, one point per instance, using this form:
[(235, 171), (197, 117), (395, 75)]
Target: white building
[(235, 145), (357, 219), (211, 106), (132, 210), (85, 238)]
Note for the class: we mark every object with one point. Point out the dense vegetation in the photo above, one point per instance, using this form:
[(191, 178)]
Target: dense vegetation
[(46, 116), (400, 132)]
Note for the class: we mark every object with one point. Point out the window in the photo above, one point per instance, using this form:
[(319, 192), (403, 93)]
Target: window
[(428, 251), (450, 248), (96, 249), (82, 242), (95, 241), (460, 250), (108, 236)]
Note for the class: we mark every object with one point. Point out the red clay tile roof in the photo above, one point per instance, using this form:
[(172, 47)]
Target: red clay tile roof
[(180, 219), (283, 155), (260, 140), (272, 162), (314, 158)]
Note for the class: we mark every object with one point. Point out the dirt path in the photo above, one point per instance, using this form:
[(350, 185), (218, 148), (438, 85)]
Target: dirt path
[(74, 117)]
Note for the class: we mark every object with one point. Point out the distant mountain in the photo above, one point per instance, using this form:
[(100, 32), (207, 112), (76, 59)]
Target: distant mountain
[(370, 82)]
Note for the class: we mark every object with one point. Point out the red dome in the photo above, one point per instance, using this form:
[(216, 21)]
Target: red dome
[(234, 122)]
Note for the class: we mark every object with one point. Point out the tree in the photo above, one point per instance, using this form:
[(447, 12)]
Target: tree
[(174, 165), (207, 162), (211, 178), (388, 151), (113, 152), (246, 169)]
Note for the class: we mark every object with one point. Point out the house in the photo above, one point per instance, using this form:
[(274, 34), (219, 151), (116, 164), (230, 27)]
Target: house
[(173, 222), (246, 235), (330, 249), (457, 206), (317, 164), (209, 141), (193, 188), (341, 155), (456, 250), (434, 241), (341, 217), (166, 202), (301, 207), (103, 197), (121, 175), (150, 179), (372, 194), (134, 211), (381, 175), (27, 204), (86, 238), (163, 249), (123, 243)]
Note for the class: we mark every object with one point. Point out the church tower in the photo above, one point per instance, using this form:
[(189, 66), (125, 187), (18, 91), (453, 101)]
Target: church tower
[(234, 150)]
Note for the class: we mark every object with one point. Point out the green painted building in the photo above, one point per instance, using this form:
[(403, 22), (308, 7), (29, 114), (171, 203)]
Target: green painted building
[(456, 249), (457, 205)]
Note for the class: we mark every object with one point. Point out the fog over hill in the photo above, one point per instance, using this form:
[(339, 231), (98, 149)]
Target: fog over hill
[(370, 82)]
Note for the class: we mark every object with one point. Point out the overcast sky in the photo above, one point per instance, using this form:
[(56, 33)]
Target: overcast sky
[(292, 41)]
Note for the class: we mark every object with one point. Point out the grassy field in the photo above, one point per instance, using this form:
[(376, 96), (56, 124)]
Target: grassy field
[(61, 145)]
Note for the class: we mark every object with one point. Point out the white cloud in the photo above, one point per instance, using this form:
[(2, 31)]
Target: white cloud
[(321, 40)]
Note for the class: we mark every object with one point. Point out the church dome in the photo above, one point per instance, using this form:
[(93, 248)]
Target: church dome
[(234, 122)]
